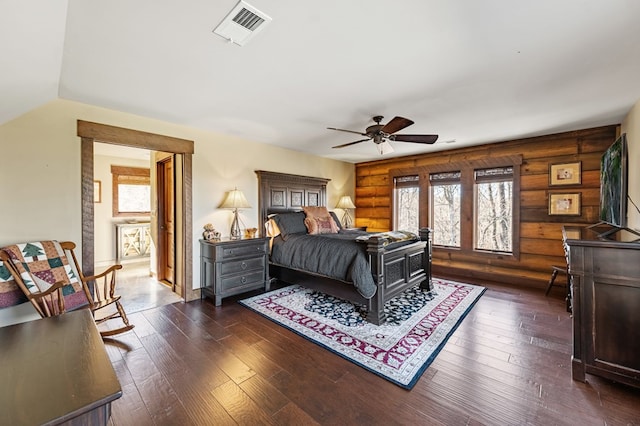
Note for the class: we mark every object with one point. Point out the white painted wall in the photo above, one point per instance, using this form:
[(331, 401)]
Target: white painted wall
[(40, 173), (631, 126)]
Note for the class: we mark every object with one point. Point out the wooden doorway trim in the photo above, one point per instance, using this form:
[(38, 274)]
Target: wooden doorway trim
[(89, 133)]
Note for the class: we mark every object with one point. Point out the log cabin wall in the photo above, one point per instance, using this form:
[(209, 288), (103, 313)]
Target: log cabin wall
[(540, 233)]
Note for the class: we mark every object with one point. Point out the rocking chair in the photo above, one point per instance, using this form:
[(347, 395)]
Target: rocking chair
[(53, 285)]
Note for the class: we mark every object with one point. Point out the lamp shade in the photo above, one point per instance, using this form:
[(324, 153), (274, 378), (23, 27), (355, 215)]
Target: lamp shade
[(345, 202), (235, 200)]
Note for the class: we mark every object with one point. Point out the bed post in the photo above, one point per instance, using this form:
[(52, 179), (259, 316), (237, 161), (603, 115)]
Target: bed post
[(375, 250), (425, 235)]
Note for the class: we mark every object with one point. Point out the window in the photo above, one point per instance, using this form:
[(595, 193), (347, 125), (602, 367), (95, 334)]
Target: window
[(444, 215), (131, 191), (493, 226), (470, 206), (406, 202)]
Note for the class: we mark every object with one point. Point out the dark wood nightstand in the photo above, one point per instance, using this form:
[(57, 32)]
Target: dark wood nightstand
[(229, 267)]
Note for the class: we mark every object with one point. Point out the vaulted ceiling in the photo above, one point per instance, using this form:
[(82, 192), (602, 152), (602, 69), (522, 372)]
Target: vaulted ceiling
[(470, 71)]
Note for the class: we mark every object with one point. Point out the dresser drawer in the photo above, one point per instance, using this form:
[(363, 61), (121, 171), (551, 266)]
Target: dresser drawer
[(231, 252), (241, 280), (242, 265)]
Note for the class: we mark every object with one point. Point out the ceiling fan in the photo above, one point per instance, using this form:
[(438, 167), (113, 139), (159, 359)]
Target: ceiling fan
[(380, 134)]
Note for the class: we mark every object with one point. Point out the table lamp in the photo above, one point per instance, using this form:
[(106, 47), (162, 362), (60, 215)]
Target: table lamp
[(345, 204), (235, 200)]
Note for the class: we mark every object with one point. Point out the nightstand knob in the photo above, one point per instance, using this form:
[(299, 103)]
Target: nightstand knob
[(243, 280), (243, 265)]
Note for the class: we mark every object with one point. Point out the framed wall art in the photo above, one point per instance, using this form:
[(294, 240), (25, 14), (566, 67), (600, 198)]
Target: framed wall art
[(97, 191), (564, 204), (565, 174)]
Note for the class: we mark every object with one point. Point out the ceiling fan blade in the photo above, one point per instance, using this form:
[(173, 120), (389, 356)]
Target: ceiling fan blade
[(348, 131), (414, 138), (396, 124), (350, 143)]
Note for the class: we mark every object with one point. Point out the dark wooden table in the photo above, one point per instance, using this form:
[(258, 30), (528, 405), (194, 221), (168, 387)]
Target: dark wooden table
[(56, 371)]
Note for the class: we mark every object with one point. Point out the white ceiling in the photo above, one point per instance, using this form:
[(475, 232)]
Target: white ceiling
[(471, 71)]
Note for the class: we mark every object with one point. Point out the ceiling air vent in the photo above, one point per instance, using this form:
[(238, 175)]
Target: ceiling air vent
[(242, 23)]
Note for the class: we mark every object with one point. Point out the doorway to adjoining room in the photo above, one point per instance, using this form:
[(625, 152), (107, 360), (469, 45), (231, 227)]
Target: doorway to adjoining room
[(124, 225)]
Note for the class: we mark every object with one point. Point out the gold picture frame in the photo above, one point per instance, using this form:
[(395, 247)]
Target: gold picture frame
[(565, 204), (565, 174), (97, 191)]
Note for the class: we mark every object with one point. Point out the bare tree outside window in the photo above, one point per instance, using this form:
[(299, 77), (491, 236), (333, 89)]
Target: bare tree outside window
[(494, 216), (445, 214), (408, 209), (406, 203)]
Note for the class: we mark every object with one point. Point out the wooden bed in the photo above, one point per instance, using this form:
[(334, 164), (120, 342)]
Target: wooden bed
[(393, 271)]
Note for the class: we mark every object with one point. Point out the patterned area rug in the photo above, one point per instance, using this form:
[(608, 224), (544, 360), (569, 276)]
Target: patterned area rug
[(417, 327)]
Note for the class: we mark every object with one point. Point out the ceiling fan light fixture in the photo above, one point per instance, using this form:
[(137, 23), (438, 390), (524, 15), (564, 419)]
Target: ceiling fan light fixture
[(384, 147)]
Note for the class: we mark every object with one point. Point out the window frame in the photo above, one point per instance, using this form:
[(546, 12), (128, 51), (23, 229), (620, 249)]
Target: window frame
[(405, 181), (131, 176), (484, 180), (467, 181)]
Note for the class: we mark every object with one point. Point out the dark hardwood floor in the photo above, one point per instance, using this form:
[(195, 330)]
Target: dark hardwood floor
[(508, 363)]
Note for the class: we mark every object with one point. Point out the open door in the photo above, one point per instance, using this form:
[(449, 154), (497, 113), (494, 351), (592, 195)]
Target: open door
[(165, 193)]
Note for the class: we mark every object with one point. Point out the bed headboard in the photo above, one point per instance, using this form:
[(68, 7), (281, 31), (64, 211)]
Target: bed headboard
[(281, 192)]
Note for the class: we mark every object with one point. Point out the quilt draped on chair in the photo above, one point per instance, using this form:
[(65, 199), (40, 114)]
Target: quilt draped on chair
[(40, 264)]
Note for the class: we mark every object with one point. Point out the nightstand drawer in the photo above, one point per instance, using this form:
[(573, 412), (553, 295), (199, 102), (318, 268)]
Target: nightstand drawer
[(243, 265), (242, 250), (235, 281)]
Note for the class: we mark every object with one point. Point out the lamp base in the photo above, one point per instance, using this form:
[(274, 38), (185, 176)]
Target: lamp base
[(346, 220), (235, 233)]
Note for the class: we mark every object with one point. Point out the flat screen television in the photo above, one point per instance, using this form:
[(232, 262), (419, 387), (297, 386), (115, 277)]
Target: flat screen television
[(613, 184)]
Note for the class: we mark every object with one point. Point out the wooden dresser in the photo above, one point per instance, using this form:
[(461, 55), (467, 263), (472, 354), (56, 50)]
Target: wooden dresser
[(56, 371), (605, 285), (229, 267)]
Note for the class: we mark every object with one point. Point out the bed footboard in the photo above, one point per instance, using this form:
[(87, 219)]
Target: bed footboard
[(397, 270)]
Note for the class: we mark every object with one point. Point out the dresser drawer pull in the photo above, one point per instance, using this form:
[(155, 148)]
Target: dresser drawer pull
[(243, 265), (243, 280)]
